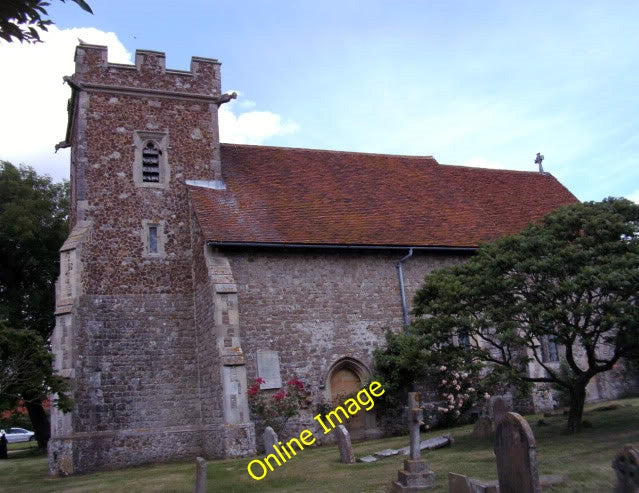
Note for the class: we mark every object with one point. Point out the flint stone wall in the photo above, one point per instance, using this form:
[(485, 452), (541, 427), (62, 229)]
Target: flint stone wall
[(317, 306)]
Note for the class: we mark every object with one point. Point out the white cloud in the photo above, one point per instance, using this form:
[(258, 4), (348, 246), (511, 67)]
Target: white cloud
[(34, 101), (34, 98), (251, 127), (634, 196)]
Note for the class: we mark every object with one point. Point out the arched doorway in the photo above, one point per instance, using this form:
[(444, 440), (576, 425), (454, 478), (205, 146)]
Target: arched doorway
[(345, 378)]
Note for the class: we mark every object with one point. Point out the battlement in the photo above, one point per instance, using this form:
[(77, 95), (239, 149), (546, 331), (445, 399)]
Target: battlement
[(149, 74)]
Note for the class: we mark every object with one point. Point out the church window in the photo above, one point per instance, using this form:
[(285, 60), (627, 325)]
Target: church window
[(549, 353), (464, 340)]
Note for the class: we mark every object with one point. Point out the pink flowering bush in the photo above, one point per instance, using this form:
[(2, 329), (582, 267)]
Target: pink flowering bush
[(275, 409)]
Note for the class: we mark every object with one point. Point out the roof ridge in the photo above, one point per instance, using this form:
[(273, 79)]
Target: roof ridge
[(260, 146), (500, 170)]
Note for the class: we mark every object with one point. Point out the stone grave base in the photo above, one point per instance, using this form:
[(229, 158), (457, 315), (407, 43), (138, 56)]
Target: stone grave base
[(414, 477)]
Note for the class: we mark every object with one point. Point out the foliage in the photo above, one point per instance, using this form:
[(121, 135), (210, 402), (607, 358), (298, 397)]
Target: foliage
[(402, 361), (276, 409), (573, 278), (18, 416), (33, 226), (449, 371), (21, 19), (26, 373)]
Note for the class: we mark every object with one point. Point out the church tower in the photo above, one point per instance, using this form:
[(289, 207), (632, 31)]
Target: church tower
[(146, 382)]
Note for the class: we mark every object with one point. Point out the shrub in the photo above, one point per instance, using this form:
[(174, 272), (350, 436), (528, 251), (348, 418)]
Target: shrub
[(275, 409)]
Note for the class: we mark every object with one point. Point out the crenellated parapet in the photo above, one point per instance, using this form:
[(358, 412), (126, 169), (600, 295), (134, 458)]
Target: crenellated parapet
[(149, 74)]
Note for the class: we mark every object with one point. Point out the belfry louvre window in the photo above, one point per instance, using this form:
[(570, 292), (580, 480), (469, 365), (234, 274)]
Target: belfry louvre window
[(151, 163), (151, 166)]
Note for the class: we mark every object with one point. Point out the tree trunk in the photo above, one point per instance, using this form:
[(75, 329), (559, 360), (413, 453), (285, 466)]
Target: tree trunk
[(40, 422), (576, 411)]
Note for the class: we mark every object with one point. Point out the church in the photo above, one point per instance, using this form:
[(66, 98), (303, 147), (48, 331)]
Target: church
[(195, 267)]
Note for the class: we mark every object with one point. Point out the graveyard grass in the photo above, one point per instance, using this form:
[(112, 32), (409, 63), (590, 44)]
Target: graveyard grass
[(585, 459)]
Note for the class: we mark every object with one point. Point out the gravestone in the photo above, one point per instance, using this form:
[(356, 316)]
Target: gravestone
[(626, 466), (200, 475), (499, 410), (367, 459), (389, 452), (483, 427), (430, 444), (415, 475), (516, 453), (344, 444), (270, 439), (458, 483)]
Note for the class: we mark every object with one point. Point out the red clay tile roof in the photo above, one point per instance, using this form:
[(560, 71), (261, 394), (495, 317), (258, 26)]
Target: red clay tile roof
[(312, 197)]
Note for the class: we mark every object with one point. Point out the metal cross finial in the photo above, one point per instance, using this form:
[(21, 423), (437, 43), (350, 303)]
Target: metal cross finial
[(538, 159)]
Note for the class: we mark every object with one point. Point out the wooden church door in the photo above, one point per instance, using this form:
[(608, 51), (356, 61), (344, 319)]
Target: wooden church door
[(344, 384)]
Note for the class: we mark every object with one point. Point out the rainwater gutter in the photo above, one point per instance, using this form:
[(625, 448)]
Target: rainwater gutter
[(400, 273), (325, 246)]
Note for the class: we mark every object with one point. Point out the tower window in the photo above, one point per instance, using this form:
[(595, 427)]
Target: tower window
[(151, 163), (151, 168), (153, 239)]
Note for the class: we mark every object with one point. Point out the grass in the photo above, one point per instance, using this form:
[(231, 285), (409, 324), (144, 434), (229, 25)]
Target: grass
[(584, 459)]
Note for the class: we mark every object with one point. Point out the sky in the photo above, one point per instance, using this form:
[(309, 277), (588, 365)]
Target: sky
[(470, 83)]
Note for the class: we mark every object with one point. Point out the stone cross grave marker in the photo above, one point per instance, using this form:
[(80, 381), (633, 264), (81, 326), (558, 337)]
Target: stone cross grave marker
[(270, 439), (516, 453), (344, 444), (200, 475), (415, 475), (626, 466)]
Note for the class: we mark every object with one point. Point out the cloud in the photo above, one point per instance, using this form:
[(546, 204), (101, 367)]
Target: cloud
[(34, 98), (251, 127), (634, 196), (34, 101)]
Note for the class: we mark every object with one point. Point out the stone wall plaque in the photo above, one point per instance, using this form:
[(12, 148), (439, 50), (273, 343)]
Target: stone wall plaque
[(268, 368)]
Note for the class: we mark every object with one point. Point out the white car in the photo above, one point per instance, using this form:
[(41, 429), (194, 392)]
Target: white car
[(18, 435)]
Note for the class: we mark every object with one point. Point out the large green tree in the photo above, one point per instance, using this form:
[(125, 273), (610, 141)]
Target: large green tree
[(22, 19), (33, 226), (571, 282)]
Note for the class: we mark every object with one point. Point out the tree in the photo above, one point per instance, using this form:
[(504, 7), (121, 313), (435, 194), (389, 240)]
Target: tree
[(571, 282), (26, 376), (451, 375), (21, 19), (33, 226)]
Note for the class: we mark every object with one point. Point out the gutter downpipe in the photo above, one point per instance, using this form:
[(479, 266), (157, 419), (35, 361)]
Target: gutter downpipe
[(401, 285)]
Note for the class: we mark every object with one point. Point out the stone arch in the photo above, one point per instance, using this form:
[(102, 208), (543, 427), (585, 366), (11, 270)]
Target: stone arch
[(345, 377)]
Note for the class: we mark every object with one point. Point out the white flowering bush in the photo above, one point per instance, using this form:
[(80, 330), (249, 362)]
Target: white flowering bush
[(458, 392)]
